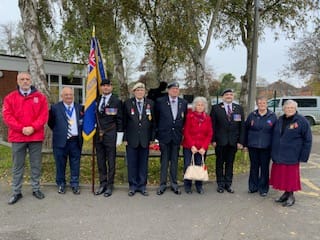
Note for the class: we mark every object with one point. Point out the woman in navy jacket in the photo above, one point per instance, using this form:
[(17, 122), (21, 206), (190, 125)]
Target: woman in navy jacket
[(291, 144), (259, 127)]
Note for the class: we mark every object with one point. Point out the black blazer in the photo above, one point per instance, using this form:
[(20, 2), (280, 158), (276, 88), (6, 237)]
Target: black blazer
[(110, 122), (58, 123), (138, 130), (169, 129), (225, 131)]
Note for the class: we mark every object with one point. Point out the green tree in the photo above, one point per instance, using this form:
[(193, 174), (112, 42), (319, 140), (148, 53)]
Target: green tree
[(236, 24)]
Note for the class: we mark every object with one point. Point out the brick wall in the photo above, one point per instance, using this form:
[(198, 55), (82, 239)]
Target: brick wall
[(8, 82)]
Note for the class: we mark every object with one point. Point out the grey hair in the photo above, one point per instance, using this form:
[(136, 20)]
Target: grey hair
[(261, 98), (200, 99), (290, 102)]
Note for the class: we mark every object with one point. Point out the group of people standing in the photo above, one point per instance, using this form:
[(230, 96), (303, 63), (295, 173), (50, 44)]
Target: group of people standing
[(287, 140)]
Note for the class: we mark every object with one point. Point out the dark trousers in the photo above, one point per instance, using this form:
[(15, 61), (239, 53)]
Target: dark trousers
[(169, 153), (137, 163), (73, 151), (187, 155), (259, 169), (106, 152), (224, 165)]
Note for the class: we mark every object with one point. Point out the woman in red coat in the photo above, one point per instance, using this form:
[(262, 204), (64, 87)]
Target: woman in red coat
[(197, 134)]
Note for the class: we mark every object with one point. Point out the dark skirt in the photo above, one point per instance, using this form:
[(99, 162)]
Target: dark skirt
[(285, 177)]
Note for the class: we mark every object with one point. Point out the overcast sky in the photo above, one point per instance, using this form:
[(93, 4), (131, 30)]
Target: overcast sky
[(271, 60)]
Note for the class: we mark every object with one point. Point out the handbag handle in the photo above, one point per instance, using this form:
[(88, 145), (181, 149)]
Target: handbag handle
[(202, 158), (192, 160)]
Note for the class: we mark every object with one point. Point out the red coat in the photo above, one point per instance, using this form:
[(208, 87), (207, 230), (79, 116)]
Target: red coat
[(197, 131), (19, 112)]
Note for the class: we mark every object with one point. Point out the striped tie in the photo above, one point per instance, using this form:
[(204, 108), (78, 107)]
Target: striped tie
[(69, 134), (229, 112)]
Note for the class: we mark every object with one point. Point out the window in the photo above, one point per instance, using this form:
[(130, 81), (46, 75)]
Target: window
[(273, 103), (71, 81), (304, 102)]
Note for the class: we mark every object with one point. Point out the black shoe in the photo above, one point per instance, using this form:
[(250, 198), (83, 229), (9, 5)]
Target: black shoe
[(61, 189), (101, 190), (15, 198), (229, 190), (252, 191), (220, 190), (131, 193), (38, 194), (200, 190), (188, 190), (264, 194), (283, 197), (161, 190), (108, 192), (176, 190), (290, 201), (144, 193), (75, 190)]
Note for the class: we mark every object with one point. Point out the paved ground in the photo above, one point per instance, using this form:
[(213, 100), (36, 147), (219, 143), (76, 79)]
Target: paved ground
[(188, 217)]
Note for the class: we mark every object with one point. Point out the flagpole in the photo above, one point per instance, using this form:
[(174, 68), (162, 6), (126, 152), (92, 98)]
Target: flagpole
[(93, 142), (93, 164)]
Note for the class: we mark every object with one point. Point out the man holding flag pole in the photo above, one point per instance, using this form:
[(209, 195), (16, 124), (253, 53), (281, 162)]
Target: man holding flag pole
[(104, 116)]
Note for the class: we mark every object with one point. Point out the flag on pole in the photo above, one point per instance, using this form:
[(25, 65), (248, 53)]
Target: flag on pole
[(96, 72)]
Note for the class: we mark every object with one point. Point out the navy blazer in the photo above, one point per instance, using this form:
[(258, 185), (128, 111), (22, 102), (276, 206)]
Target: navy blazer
[(292, 144), (259, 129), (58, 123), (169, 129), (225, 131)]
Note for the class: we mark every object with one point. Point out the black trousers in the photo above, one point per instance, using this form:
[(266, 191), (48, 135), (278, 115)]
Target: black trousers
[(169, 153), (224, 165), (259, 169), (106, 152), (137, 162)]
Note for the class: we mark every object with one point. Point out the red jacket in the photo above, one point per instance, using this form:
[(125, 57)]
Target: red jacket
[(20, 111), (197, 131)]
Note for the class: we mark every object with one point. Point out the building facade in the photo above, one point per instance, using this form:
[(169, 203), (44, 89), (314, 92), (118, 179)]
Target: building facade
[(59, 74)]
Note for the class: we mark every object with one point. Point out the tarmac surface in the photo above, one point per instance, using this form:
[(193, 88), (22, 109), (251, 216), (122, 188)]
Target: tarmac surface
[(211, 216)]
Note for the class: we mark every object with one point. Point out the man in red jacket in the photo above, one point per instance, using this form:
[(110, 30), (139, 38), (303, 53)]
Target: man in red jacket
[(25, 112)]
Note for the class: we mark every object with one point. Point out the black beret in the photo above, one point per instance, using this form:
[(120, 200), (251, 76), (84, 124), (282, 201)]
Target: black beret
[(226, 91), (105, 81), (173, 84)]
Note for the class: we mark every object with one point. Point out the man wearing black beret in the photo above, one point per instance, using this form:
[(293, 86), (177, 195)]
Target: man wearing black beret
[(170, 112), (228, 124), (109, 122)]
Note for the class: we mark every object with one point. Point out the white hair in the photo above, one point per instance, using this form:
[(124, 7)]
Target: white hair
[(290, 102), (200, 99)]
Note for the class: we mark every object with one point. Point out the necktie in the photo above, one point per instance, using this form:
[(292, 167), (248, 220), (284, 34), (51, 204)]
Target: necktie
[(174, 108), (103, 104), (69, 110), (140, 107), (229, 112), (25, 94)]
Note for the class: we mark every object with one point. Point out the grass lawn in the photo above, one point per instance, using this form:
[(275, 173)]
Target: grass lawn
[(48, 167)]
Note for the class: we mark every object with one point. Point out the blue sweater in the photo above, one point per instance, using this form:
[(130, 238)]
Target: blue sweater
[(293, 145), (259, 129)]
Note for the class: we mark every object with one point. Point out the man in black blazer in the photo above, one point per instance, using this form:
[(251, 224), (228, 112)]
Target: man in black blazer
[(65, 121), (170, 111), (109, 122), (139, 130), (228, 125)]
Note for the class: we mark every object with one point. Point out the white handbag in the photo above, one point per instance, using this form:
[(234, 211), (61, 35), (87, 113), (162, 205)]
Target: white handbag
[(197, 172)]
